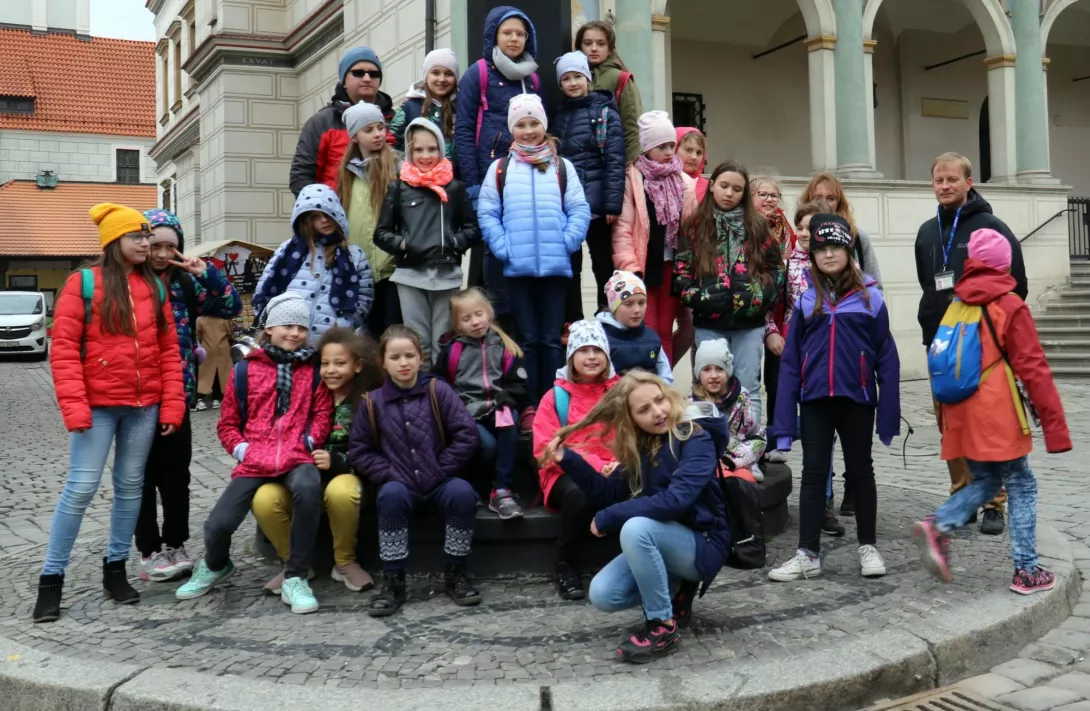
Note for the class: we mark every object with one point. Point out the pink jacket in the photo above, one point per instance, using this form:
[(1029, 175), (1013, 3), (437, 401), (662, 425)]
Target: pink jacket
[(632, 229)]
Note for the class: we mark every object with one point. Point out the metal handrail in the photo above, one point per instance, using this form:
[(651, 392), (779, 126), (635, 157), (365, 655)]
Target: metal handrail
[(1043, 224)]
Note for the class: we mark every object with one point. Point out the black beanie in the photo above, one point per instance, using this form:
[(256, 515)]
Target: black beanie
[(828, 230)]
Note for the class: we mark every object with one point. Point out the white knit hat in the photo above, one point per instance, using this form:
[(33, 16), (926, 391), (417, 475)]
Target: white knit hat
[(573, 62), (424, 124), (526, 106), (655, 129), (287, 309), (587, 333), (715, 352), (361, 115), (442, 57)]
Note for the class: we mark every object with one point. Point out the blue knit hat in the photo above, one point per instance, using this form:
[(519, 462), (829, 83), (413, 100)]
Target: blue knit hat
[(353, 57)]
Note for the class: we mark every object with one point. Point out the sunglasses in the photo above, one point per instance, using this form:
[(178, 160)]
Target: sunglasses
[(370, 73)]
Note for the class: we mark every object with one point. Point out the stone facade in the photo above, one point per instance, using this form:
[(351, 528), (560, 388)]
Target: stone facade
[(71, 156)]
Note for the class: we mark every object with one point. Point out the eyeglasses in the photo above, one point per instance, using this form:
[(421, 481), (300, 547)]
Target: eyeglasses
[(138, 237), (769, 196), (521, 34), (371, 73)]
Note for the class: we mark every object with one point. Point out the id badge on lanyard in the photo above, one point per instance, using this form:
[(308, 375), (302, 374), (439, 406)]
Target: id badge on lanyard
[(944, 280)]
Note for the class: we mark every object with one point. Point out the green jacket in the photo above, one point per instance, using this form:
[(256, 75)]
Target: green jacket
[(606, 76), (361, 223)]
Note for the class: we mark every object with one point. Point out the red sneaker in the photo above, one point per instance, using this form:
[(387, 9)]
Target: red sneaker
[(934, 549), (1027, 582), (656, 640)]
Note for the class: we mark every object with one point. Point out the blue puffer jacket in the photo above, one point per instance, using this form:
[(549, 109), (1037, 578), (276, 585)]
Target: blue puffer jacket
[(600, 168), (473, 155), (537, 231)]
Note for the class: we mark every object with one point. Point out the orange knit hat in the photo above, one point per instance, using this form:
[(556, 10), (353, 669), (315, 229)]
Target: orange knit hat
[(115, 221)]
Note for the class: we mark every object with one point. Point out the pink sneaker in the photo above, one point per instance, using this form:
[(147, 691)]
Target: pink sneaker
[(1027, 582), (934, 549), (353, 576)]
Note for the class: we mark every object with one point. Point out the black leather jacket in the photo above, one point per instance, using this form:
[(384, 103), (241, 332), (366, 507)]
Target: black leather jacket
[(420, 230)]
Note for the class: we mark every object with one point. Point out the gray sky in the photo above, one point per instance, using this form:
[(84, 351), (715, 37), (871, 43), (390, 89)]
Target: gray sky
[(123, 19)]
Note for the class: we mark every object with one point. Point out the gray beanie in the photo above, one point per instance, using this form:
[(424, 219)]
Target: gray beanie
[(715, 352), (287, 309), (362, 114), (573, 62), (426, 124)]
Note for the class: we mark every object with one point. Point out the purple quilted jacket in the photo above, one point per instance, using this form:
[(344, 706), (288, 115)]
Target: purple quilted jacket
[(407, 447)]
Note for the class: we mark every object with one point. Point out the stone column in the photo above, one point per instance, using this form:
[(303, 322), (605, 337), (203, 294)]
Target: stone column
[(868, 79), (633, 27), (660, 98), (1031, 108), (1001, 118), (822, 102), (854, 157)]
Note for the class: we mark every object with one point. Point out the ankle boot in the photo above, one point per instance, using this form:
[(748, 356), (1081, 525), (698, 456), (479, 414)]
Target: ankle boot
[(48, 606), (116, 583)]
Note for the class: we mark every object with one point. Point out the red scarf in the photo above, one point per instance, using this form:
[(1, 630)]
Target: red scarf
[(437, 178)]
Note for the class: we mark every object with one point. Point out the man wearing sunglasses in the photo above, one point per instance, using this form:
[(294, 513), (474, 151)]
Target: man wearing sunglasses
[(323, 140)]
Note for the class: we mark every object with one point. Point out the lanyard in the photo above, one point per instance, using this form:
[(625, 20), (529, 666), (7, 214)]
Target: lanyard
[(950, 242)]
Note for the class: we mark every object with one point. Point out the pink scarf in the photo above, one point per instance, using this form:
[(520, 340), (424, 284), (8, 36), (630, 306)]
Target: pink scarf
[(437, 178), (665, 187)]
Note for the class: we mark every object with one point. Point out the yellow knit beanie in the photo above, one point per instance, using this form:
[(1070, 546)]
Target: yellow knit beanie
[(115, 221)]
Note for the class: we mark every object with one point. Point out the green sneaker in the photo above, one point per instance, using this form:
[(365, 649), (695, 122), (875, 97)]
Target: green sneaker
[(296, 592), (202, 581)]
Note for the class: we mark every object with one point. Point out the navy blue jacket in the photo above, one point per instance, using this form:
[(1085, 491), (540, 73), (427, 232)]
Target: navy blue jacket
[(600, 168), (679, 486), (473, 156)]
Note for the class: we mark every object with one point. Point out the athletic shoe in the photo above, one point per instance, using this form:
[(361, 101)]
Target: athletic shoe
[(296, 592), (1027, 582), (569, 585), (353, 576), (183, 564), (199, 406), (274, 586), (203, 580), (656, 640), (803, 565), (934, 549), (150, 567), (830, 525), (992, 522), (504, 505), (215, 404), (776, 457), (870, 562)]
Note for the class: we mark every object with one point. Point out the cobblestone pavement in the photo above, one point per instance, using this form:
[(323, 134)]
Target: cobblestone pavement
[(522, 632)]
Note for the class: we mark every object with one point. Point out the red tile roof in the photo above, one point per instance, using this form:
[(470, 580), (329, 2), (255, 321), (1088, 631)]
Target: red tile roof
[(98, 85), (54, 222)]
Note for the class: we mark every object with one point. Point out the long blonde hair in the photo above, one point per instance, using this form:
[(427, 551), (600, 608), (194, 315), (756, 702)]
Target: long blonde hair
[(630, 443), (381, 171), (464, 298)]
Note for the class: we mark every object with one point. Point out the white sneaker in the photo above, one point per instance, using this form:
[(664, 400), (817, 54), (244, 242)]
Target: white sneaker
[(803, 565), (776, 456), (156, 569), (871, 563), (215, 404), (183, 564)]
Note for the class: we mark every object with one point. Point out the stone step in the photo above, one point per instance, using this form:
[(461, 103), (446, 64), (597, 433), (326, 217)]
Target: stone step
[(1065, 371), (1080, 266), (1069, 304), (1080, 281), (1058, 345), (1075, 293), (1061, 320), (1068, 358)]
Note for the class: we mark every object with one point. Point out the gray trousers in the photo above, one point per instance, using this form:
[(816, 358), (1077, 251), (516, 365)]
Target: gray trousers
[(427, 313)]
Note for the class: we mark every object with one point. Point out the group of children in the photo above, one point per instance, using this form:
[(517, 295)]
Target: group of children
[(321, 419)]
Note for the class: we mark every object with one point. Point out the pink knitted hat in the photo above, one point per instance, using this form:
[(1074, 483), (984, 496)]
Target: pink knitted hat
[(992, 248), (655, 129)]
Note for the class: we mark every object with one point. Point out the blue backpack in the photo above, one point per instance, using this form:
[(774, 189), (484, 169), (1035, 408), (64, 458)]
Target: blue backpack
[(242, 389), (563, 403), (955, 360)]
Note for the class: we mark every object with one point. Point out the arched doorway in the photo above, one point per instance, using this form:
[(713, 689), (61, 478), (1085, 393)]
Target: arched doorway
[(1065, 40)]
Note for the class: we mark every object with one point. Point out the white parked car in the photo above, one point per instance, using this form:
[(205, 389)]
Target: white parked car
[(22, 323)]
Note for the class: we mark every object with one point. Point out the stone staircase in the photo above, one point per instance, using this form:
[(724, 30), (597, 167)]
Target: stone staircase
[(1064, 326)]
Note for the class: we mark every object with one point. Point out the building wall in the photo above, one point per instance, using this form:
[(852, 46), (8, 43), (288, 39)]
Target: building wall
[(1069, 116), (71, 156)]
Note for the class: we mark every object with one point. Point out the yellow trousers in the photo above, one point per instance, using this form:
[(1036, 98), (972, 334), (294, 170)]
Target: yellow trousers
[(272, 508)]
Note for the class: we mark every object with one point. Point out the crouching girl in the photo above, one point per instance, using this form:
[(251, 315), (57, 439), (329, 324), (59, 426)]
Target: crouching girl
[(665, 503)]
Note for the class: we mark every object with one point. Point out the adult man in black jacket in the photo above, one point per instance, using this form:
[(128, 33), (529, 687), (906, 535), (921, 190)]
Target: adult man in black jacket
[(942, 245)]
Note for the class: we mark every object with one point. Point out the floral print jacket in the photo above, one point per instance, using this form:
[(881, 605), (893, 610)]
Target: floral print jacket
[(747, 434), (731, 299), (798, 281), (213, 296)]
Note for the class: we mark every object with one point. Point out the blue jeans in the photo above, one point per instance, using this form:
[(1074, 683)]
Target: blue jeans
[(133, 428), (748, 347), (654, 555), (499, 445), (538, 307), (988, 479)]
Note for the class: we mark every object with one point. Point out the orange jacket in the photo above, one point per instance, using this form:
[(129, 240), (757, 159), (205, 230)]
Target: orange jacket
[(632, 230), (985, 427), (118, 370)]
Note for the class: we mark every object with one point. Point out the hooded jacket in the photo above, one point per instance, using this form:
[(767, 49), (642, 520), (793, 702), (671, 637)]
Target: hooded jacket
[(746, 438), (484, 377), (407, 446), (475, 156), (975, 214), (117, 370), (412, 108), (606, 77), (420, 230), (600, 168), (845, 351), (314, 278), (639, 347), (324, 139), (985, 427), (592, 444), (274, 445)]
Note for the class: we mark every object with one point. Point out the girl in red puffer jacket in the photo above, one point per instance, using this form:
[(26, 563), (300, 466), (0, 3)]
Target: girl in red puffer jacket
[(117, 372), (286, 415)]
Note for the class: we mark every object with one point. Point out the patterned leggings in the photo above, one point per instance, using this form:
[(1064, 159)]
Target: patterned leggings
[(454, 499)]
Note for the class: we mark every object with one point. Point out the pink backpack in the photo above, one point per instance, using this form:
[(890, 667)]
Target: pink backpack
[(482, 75)]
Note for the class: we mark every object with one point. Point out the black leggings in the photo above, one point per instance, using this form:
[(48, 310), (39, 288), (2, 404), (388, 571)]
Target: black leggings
[(575, 517), (600, 243), (854, 422)]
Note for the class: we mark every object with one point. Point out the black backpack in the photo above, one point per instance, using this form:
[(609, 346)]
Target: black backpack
[(746, 520)]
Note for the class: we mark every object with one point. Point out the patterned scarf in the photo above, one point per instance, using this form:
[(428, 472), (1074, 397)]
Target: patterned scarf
[(534, 155), (780, 229), (344, 291), (730, 228), (513, 69), (437, 178), (285, 360), (665, 187)]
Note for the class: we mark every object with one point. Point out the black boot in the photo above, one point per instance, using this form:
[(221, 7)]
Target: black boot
[(391, 597), (115, 581), (459, 589), (568, 583), (48, 606)]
